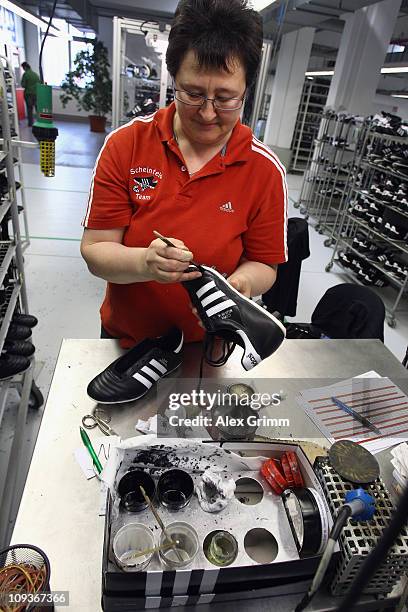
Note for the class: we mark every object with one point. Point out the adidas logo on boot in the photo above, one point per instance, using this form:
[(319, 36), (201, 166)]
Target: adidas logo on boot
[(134, 373), (228, 314)]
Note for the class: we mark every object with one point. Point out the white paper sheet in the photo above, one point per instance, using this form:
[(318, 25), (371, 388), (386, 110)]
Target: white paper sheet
[(103, 448), (377, 398)]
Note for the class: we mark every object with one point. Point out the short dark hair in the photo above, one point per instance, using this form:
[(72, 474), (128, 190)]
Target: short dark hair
[(217, 31), (25, 66)]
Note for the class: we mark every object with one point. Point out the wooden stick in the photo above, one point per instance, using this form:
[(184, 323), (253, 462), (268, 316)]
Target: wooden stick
[(161, 524), (146, 551)]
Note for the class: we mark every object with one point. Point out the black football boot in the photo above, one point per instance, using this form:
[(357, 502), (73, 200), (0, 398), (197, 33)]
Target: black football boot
[(131, 376), (236, 319)]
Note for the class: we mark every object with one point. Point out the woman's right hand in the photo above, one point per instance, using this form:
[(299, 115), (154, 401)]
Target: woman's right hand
[(167, 264)]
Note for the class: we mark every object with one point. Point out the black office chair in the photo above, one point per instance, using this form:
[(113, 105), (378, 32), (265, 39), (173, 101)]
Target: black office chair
[(282, 297), (344, 311)]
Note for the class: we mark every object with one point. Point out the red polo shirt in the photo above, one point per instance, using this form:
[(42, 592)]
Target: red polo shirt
[(235, 205)]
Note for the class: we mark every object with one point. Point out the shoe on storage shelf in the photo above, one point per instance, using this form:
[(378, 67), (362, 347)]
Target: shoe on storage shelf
[(346, 259), (386, 195), (400, 193), (10, 365), (375, 190), (375, 209), (236, 319), (18, 332), (375, 222), (391, 231), (401, 271), (392, 184), (357, 263), (360, 211), (19, 347), (361, 244), (379, 280), (401, 204), (19, 318), (131, 376)]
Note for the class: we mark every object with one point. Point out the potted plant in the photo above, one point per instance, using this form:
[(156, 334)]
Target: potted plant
[(90, 85)]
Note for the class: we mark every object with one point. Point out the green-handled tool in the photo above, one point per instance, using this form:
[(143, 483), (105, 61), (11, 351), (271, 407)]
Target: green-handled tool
[(91, 450), (44, 130)]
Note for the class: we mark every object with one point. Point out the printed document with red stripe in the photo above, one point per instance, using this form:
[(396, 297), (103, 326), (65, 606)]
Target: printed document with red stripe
[(377, 399)]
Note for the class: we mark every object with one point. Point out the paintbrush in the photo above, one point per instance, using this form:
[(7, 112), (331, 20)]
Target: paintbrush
[(146, 551), (161, 524), (170, 244)]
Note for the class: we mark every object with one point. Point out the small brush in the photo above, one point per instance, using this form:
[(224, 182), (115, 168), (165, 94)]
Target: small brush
[(146, 551), (170, 244)]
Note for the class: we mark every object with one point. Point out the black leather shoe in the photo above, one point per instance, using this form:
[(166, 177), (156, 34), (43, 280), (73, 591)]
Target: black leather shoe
[(18, 332), (134, 373), (226, 313), (360, 211), (392, 232), (345, 259), (28, 320), (19, 347), (361, 244), (10, 365)]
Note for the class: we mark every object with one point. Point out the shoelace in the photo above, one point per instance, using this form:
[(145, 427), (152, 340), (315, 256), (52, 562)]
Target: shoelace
[(207, 354)]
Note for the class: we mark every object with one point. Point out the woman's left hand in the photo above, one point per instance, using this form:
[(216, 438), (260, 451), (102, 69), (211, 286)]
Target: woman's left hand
[(241, 283)]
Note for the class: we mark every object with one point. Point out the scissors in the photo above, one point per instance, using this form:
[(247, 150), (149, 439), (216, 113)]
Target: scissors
[(98, 418)]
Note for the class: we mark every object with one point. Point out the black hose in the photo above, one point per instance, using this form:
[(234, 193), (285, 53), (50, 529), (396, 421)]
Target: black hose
[(44, 39), (378, 554)]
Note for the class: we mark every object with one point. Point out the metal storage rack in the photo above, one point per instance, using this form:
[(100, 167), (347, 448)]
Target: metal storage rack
[(326, 181), (313, 100), (364, 246), (13, 296), (18, 162)]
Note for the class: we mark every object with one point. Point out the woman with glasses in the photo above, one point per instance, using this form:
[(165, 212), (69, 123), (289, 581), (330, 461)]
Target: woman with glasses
[(195, 174)]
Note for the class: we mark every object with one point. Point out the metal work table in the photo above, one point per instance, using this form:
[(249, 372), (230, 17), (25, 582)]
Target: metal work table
[(59, 507)]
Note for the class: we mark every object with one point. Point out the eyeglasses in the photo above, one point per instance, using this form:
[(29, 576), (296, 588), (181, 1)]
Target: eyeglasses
[(220, 103)]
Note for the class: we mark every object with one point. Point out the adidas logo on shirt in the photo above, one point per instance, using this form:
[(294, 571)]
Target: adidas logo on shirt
[(227, 207)]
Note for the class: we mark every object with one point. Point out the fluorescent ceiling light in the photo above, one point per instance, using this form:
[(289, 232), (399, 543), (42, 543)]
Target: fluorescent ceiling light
[(40, 23), (259, 5), (394, 69), (319, 73), (399, 95), (391, 70)]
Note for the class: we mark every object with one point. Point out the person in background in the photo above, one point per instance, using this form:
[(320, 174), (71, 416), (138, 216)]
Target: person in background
[(195, 174), (29, 83)]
